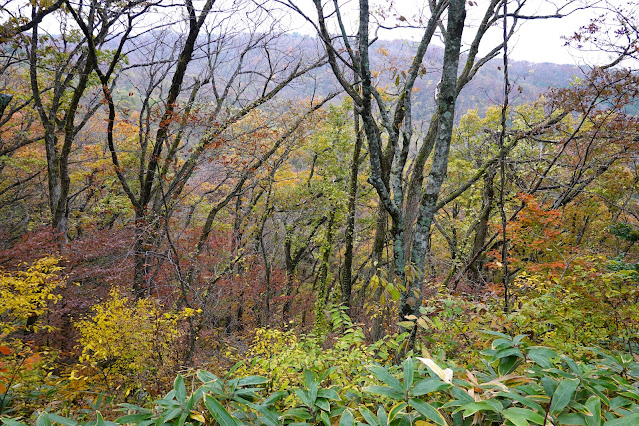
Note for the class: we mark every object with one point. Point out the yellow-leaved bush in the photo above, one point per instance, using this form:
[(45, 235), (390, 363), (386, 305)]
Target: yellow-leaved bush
[(589, 304), (133, 344), (25, 296), (282, 355)]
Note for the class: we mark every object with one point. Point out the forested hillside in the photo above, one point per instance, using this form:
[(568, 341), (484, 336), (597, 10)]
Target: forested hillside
[(209, 218)]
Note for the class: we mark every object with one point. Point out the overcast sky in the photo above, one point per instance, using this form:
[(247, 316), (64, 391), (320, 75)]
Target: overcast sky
[(535, 41)]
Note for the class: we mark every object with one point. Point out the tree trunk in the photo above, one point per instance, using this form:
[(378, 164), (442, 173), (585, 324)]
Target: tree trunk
[(475, 268), (347, 272), (412, 297), (320, 302)]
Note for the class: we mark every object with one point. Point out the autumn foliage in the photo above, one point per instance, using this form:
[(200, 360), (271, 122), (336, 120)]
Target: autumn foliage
[(288, 213)]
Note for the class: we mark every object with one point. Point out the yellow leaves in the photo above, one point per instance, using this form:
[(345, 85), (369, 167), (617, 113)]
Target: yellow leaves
[(27, 294), (197, 417), (127, 339)]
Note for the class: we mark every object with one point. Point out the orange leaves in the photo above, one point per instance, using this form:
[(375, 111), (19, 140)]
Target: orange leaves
[(4, 350), (536, 239), (32, 361)]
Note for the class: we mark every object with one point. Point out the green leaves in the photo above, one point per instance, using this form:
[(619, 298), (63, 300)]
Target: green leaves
[(631, 420), (426, 386), (179, 389), (427, 411), (218, 412), (383, 375), (522, 416), (385, 391), (552, 388), (563, 394)]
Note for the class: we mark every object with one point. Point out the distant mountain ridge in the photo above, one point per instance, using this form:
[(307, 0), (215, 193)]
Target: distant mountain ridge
[(528, 79)]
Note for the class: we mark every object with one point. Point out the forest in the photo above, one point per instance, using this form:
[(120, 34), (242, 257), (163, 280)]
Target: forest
[(229, 212)]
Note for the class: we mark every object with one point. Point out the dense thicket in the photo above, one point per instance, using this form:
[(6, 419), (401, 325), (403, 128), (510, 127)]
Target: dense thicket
[(189, 185)]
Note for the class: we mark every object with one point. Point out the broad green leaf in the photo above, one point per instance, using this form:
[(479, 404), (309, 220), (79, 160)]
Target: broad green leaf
[(461, 394), (324, 418), (572, 364), (549, 385), (383, 375), (252, 381), (133, 418), (206, 376), (384, 390), (528, 402), (618, 402), (574, 419), (631, 394), (599, 393), (170, 414), (323, 404), (521, 416), (268, 417), (542, 356), (61, 420), (426, 386), (304, 397), (276, 396), (300, 413), (563, 394), (43, 420), (632, 420), (508, 364), (312, 393), (409, 370), (395, 411), (309, 378), (369, 416), (488, 405), (519, 338), (218, 412), (501, 343), (180, 389), (328, 394), (382, 416), (580, 408), (427, 411), (11, 422), (594, 405), (347, 418)]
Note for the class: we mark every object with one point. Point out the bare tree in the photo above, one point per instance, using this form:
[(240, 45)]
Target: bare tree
[(406, 191)]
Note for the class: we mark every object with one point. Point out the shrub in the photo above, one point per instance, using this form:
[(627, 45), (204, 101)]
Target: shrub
[(131, 344), (518, 384), (25, 297)]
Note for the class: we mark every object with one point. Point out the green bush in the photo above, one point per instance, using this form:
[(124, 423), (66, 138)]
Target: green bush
[(518, 384)]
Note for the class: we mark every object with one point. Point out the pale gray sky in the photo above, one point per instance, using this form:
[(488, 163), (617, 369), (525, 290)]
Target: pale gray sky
[(536, 40)]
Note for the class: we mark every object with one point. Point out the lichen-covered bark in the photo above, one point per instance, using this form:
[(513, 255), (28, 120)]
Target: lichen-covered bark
[(411, 298)]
